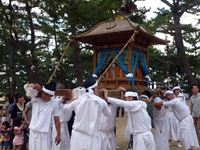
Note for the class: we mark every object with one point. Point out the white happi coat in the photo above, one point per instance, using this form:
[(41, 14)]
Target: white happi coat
[(107, 129), (41, 121), (141, 123), (86, 133), (65, 116), (161, 128), (187, 130)]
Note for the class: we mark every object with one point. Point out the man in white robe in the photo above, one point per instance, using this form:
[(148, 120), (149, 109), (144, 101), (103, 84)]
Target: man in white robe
[(182, 113), (86, 134), (178, 93), (140, 121), (44, 109), (107, 129), (161, 127), (65, 116)]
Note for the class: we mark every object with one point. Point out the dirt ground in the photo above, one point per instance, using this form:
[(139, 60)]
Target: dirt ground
[(122, 142)]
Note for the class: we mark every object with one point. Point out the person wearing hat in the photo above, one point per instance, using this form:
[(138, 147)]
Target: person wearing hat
[(182, 113), (89, 107), (44, 109), (160, 124), (173, 122), (139, 120), (178, 93)]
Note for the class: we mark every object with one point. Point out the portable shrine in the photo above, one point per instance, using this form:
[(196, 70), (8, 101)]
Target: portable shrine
[(107, 39)]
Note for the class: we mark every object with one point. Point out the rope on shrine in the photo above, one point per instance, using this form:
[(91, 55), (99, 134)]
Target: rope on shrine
[(59, 62), (132, 39)]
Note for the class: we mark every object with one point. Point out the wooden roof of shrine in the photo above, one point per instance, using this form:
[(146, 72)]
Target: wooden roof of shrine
[(117, 31)]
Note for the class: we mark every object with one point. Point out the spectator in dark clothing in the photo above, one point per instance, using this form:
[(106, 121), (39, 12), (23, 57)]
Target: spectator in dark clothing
[(18, 108), (16, 111)]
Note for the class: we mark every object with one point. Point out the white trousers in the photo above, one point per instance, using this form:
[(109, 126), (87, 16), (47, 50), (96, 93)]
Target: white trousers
[(174, 127), (161, 134), (39, 140), (188, 133), (144, 141), (108, 140), (82, 141), (65, 138)]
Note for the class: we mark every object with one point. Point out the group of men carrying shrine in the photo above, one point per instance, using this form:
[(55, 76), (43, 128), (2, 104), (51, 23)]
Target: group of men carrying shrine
[(95, 118)]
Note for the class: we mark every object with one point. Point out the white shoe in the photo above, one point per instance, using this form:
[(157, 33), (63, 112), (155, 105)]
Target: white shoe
[(117, 147), (179, 145)]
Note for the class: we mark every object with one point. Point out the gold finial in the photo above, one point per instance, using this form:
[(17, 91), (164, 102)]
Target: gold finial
[(119, 17)]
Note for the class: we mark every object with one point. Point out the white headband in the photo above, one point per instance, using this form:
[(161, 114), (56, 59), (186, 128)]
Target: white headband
[(168, 92), (133, 94), (48, 91), (176, 88)]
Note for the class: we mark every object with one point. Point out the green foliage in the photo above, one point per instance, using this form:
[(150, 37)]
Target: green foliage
[(167, 21), (33, 36)]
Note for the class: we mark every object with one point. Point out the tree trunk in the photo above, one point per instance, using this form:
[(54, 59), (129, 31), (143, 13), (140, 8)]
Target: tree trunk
[(79, 72), (184, 61), (34, 64), (78, 64)]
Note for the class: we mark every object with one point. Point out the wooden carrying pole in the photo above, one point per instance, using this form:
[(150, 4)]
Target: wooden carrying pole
[(59, 62), (132, 39)]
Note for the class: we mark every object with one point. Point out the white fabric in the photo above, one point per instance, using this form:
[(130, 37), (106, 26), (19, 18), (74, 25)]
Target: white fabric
[(65, 138), (48, 91), (144, 141), (181, 97), (161, 127), (179, 108), (43, 114), (187, 129), (140, 123), (30, 92), (173, 124), (130, 93), (86, 129), (176, 88), (148, 78), (77, 92), (94, 75), (138, 113), (39, 140), (65, 116), (108, 140), (144, 96), (157, 100), (129, 75), (168, 92), (82, 141), (107, 129), (188, 133), (128, 130)]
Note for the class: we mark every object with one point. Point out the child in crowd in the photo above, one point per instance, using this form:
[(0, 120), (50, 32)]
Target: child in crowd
[(2, 116), (19, 134), (5, 136)]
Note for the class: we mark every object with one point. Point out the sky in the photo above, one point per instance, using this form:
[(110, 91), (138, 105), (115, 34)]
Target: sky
[(154, 5)]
